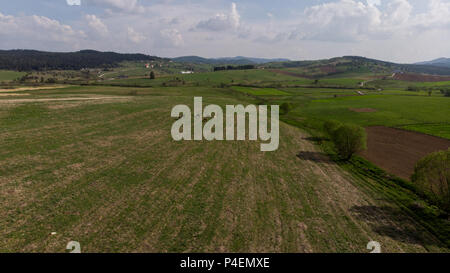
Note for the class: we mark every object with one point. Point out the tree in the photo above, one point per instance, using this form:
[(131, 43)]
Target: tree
[(152, 75), (330, 127), (432, 177), (285, 108), (446, 92), (349, 139)]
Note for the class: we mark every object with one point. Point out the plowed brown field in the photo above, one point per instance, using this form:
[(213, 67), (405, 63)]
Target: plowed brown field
[(397, 151)]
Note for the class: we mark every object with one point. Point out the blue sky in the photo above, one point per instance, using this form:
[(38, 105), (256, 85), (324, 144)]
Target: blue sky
[(396, 30)]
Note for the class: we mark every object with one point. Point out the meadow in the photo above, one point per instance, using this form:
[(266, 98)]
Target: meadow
[(260, 91), (6, 76), (96, 164), (425, 114)]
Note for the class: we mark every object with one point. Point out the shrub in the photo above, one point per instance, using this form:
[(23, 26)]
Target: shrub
[(432, 177), (152, 75), (349, 139), (331, 126), (285, 108), (412, 88)]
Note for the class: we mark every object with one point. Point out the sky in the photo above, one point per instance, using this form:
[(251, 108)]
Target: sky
[(403, 31)]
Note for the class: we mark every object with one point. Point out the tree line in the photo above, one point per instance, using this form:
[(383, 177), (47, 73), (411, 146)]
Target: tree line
[(231, 67), (28, 60)]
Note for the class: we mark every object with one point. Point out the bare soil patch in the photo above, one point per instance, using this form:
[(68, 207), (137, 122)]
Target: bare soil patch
[(13, 94), (61, 99), (33, 88), (288, 73), (363, 110), (397, 151), (420, 77), (328, 69)]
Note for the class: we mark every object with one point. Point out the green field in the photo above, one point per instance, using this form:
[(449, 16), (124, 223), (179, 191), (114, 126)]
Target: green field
[(6, 76), (97, 164), (212, 78), (419, 113), (395, 84), (260, 91)]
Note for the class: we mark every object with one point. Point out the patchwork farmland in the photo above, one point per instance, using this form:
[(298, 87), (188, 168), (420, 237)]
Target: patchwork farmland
[(93, 161)]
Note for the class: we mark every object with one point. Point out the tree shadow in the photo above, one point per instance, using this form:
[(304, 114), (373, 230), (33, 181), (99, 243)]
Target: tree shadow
[(315, 157), (315, 139), (393, 223)]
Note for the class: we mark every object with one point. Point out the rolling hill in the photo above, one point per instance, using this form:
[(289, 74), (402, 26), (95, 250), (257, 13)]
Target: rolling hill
[(443, 62), (25, 60), (326, 67), (239, 60), (357, 64), (28, 60)]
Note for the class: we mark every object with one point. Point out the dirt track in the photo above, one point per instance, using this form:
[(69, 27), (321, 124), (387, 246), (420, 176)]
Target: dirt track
[(419, 77), (59, 99), (33, 88), (397, 151)]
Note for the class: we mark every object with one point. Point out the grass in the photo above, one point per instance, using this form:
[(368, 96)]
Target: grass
[(391, 110), (396, 84), (208, 79), (107, 174), (6, 76), (260, 91), (436, 129)]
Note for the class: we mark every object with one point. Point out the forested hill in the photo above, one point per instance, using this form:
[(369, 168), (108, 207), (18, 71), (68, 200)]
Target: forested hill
[(25, 60)]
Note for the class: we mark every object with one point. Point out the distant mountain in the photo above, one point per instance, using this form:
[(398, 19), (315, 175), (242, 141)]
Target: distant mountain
[(443, 62), (24, 60), (331, 66), (252, 60), (192, 60), (239, 60), (357, 64)]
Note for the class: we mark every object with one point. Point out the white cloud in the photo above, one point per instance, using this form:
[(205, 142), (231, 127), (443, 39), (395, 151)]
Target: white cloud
[(398, 13), (354, 21), (398, 30), (234, 16), (97, 25), (221, 21), (345, 20), (73, 2), (135, 36), (438, 16), (28, 31), (374, 2), (129, 6), (173, 36)]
